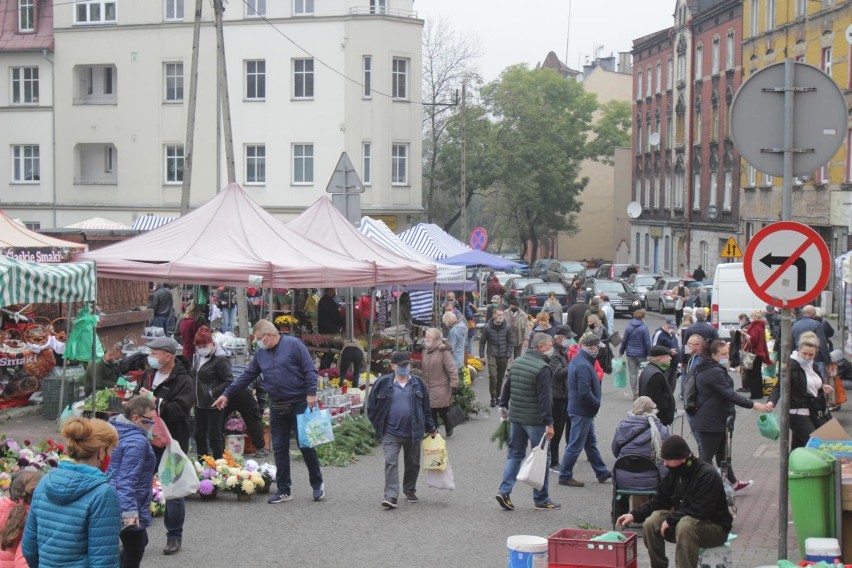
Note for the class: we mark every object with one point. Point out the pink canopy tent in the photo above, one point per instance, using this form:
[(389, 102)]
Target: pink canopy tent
[(230, 240), (328, 227), (21, 243)]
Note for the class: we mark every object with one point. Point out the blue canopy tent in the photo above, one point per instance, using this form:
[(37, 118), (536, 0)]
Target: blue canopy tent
[(479, 258)]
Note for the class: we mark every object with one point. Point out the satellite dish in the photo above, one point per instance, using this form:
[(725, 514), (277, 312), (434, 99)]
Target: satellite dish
[(654, 138), (634, 209), (712, 212)]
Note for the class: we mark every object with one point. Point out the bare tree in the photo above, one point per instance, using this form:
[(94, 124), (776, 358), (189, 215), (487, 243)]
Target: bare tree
[(449, 61)]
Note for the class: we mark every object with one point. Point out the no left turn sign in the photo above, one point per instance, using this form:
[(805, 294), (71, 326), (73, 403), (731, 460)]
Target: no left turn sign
[(787, 264)]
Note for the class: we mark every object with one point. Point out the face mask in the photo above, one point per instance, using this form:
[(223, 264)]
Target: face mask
[(105, 464), (663, 366), (805, 362), (203, 351), (153, 362), (549, 352), (593, 351), (498, 321), (494, 304), (428, 344), (687, 349), (403, 371), (566, 343), (724, 362)]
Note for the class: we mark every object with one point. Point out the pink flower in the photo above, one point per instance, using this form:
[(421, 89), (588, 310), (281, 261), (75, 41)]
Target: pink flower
[(206, 487)]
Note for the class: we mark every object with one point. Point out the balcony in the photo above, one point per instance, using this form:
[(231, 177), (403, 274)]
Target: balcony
[(381, 10), (95, 85), (95, 164)]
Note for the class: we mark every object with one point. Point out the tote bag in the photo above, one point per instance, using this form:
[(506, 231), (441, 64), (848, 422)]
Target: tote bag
[(177, 474), (534, 467), (314, 428)]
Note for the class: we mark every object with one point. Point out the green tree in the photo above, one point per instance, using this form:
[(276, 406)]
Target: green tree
[(611, 130)]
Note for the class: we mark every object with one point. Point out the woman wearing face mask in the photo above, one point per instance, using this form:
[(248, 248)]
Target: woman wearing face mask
[(131, 473), (716, 398), (212, 371), (440, 374), (75, 518), (553, 309), (543, 326), (806, 388)]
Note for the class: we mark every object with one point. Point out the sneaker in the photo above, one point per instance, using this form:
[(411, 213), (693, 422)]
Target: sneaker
[(412, 497), (505, 501), (279, 498), (605, 478), (549, 506), (571, 482), (389, 503), (261, 453), (319, 493), (555, 469), (493, 402), (742, 485)]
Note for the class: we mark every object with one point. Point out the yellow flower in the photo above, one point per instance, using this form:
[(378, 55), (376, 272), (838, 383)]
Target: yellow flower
[(245, 474), (231, 481), (235, 471), (248, 487), (257, 479)]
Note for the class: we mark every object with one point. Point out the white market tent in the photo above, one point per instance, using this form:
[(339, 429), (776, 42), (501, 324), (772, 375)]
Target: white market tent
[(99, 224), (433, 241), (150, 222)]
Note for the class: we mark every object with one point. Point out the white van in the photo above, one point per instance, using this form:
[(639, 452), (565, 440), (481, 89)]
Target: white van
[(731, 297)]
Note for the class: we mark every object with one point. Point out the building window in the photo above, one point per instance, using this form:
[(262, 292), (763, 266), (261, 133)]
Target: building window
[(667, 203), (669, 126), (95, 85), (646, 201), (26, 167), (714, 135), (399, 75), (639, 85), (649, 87), (770, 15), (755, 15), (801, 8), (367, 163), (636, 248), (826, 61), (303, 163), (174, 163), (656, 190), (378, 6), (681, 67), (729, 51), (174, 82), (368, 76), (667, 253), (647, 249), (669, 73), (303, 7), (699, 62), (26, 15), (256, 80), (108, 81), (767, 181), (678, 190), (399, 164), (255, 8), (639, 138), (729, 182), (715, 54), (714, 187), (303, 78), (32, 225), (24, 85), (659, 77), (705, 254), (255, 164), (751, 176), (174, 10), (109, 159), (697, 130), (94, 11), (648, 132), (637, 187)]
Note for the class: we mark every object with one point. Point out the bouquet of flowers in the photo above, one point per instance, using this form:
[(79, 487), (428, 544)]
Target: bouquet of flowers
[(15, 456), (287, 320), (235, 424), (243, 481), (475, 363), (209, 477), (158, 502)]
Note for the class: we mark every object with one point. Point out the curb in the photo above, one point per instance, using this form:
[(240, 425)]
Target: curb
[(9, 414)]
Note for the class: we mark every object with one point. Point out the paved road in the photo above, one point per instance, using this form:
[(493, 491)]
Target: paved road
[(461, 528)]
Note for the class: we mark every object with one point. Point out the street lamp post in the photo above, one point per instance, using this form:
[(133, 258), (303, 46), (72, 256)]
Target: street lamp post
[(463, 232)]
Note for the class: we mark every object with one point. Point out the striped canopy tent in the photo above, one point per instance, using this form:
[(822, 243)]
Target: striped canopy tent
[(33, 283), (150, 222), (100, 224), (433, 241)]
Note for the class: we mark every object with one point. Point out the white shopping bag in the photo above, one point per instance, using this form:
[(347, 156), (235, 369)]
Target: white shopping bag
[(534, 468), (441, 479), (177, 474)]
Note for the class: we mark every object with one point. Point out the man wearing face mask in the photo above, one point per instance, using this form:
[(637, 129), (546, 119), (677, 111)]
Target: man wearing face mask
[(519, 323), (168, 383), (558, 364), (108, 369), (654, 383), (526, 402), (131, 472), (689, 508), (584, 402), (496, 304), (498, 336)]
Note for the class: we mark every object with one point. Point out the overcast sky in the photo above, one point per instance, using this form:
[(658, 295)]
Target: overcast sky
[(524, 31)]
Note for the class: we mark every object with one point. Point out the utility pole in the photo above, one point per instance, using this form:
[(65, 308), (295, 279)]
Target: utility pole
[(222, 77), (463, 237), (190, 120)]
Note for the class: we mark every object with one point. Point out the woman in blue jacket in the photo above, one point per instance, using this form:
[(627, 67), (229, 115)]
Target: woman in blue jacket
[(74, 519), (131, 472), (637, 345)]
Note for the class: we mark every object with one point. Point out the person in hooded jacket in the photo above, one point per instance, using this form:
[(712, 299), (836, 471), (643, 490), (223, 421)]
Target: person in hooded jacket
[(715, 400), (75, 517), (558, 364), (499, 337), (14, 509), (636, 344), (456, 336), (440, 375), (168, 382), (131, 474), (212, 371)]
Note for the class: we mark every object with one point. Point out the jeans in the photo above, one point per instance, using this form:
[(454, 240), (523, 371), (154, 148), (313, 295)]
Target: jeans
[(229, 318), (496, 372), (208, 428), (391, 446), (582, 437), (633, 372), (468, 344), (351, 357), (521, 436), (281, 425), (163, 322), (245, 403), (133, 544), (689, 534), (560, 424), (174, 516)]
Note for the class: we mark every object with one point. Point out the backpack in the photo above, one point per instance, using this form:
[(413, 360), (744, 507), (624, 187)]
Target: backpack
[(690, 391)]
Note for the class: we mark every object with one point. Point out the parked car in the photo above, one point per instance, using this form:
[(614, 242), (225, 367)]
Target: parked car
[(564, 271), (539, 268), (534, 296), (660, 297), (641, 283), (589, 273), (622, 297), (612, 271), (515, 286)]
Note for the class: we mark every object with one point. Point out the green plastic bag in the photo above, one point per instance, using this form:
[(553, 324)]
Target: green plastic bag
[(619, 373), (611, 536), (79, 345), (768, 426)]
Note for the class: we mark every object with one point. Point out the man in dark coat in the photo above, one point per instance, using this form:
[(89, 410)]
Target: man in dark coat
[(499, 337), (808, 322), (559, 389), (328, 322), (575, 317), (689, 508), (702, 327), (654, 383), (698, 274)]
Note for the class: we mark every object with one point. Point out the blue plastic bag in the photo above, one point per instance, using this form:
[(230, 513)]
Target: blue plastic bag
[(314, 428)]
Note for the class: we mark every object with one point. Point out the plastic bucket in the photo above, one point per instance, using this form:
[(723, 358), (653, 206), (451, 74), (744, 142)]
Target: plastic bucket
[(526, 551), (822, 550)]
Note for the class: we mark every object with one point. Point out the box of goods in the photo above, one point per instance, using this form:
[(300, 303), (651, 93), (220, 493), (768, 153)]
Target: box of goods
[(832, 438), (574, 548), (822, 550)]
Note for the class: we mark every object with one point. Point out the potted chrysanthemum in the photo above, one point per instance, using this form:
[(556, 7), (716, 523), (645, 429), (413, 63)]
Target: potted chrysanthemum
[(244, 483)]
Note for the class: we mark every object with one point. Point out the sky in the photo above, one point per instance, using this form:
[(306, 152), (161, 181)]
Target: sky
[(524, 31)]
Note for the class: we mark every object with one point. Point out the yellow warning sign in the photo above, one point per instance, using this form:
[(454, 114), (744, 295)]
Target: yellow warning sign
[(731, 249)]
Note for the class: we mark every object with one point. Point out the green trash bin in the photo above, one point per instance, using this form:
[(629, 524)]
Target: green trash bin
[(812, 494)]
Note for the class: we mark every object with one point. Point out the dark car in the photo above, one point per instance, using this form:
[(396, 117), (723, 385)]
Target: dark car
[(564, 271), (514, 286), (622, 298), (539, 268), (534, 296), (611, 271)]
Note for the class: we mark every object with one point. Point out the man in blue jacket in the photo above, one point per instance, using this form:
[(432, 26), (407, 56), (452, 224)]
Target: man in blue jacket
[(290, 378), (637, 345), (399, 410), (584, 401)]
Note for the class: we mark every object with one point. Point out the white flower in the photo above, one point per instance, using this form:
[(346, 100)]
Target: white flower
[(231, 481), (257, 479), (248, 487), (233, 471), (245, 474)]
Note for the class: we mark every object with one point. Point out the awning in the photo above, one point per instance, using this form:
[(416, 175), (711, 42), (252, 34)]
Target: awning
[(29, 282), (100, 224), (150, 222), (433, 241)]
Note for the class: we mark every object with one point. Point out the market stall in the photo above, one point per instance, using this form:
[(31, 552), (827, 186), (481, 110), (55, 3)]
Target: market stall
[(16, 241)]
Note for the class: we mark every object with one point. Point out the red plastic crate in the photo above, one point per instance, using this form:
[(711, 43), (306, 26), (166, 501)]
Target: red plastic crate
[(574, 548)]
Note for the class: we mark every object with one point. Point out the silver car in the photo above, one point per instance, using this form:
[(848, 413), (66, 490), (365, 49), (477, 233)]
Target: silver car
[(660, 296), (642, 283)]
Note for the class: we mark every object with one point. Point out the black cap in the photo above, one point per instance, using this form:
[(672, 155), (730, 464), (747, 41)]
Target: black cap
[(590, 340), (513, 301), (675, 448), (565, 331), (400, 357), (659, 351)]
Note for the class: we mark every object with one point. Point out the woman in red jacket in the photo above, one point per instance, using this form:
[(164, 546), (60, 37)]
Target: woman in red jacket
[(13, 516), (755, 331)]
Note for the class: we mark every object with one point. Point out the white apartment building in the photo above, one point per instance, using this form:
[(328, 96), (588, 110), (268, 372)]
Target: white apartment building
[(307, 80)]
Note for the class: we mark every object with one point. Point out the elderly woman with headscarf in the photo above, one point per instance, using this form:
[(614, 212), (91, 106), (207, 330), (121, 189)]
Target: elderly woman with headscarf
[(640, 434)]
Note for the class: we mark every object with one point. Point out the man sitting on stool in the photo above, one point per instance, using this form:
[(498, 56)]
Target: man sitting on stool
[(689, 508)]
